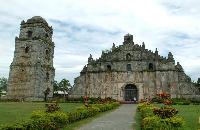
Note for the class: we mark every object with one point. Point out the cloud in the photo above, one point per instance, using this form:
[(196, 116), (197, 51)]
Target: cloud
[(90, 26)]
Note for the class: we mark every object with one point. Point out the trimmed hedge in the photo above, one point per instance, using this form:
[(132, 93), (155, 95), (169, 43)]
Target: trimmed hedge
[(41, 120)]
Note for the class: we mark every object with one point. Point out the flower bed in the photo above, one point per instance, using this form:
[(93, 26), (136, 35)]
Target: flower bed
[(53, 120), (159, 118)]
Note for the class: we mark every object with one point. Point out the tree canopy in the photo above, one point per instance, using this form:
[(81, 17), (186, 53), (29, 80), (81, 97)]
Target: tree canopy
[(3, 84), (64, 85)]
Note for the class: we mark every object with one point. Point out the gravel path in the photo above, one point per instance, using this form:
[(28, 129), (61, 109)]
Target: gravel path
[(120, 119)]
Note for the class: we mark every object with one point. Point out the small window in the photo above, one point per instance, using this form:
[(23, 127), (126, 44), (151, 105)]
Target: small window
[(108, 67), (46, 35), (47, 76), (150, 66), (128, 67), (47, 52), (26, 49), (29, 33), (128, 56)]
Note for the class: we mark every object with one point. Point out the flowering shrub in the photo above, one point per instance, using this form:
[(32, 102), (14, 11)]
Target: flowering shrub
[(144, 105), (164, 95), (168, 102), (165, 112), (161, 97), (52, 107), (154, 118)]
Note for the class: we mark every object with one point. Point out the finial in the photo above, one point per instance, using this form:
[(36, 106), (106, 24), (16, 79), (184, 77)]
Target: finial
[(90, 58), (170, 57), (113, 44), (113, 47), (22, 22), (143, 45), (156, 52)]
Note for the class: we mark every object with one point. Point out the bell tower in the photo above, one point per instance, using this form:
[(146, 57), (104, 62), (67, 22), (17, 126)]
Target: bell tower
[(128, 38), (32, 71)]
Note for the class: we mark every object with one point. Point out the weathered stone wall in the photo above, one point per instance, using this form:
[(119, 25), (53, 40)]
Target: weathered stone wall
[(131, 64), (32, 71)]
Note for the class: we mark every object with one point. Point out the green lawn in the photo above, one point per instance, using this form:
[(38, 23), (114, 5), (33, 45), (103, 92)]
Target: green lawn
[(11, 112), (191, 115)]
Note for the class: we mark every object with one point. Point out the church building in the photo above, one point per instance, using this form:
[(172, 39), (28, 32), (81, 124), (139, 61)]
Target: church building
[(131, 72)]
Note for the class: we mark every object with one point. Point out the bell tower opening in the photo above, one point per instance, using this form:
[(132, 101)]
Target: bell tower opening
[(29, 34), (26, 49)]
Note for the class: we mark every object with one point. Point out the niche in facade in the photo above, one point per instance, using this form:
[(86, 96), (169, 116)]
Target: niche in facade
[(128, 56), (47, 76), (109, 67), (128, 67), (150, 66)]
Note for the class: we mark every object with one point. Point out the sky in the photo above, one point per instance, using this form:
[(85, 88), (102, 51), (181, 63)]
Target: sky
[(84, 27)]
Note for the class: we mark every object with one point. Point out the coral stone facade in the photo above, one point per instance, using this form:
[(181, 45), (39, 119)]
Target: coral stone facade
[(32, 71), (132, 72)]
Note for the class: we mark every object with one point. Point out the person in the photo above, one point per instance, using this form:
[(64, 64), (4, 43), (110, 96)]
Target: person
[(134, 99), (149, 99)]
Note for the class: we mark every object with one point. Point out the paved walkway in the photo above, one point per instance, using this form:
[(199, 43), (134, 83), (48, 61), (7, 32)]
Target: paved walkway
[(119, 119)]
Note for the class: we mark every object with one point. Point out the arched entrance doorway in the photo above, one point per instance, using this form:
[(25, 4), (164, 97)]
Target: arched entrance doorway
[(130, 92)]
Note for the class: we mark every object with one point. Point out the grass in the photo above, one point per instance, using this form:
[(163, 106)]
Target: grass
[(191, 115), (138, 119), (11, 112)]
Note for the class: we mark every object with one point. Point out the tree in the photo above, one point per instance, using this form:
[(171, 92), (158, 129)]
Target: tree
[(64, 86), (55, 86), (3, 84), (46, 93)]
